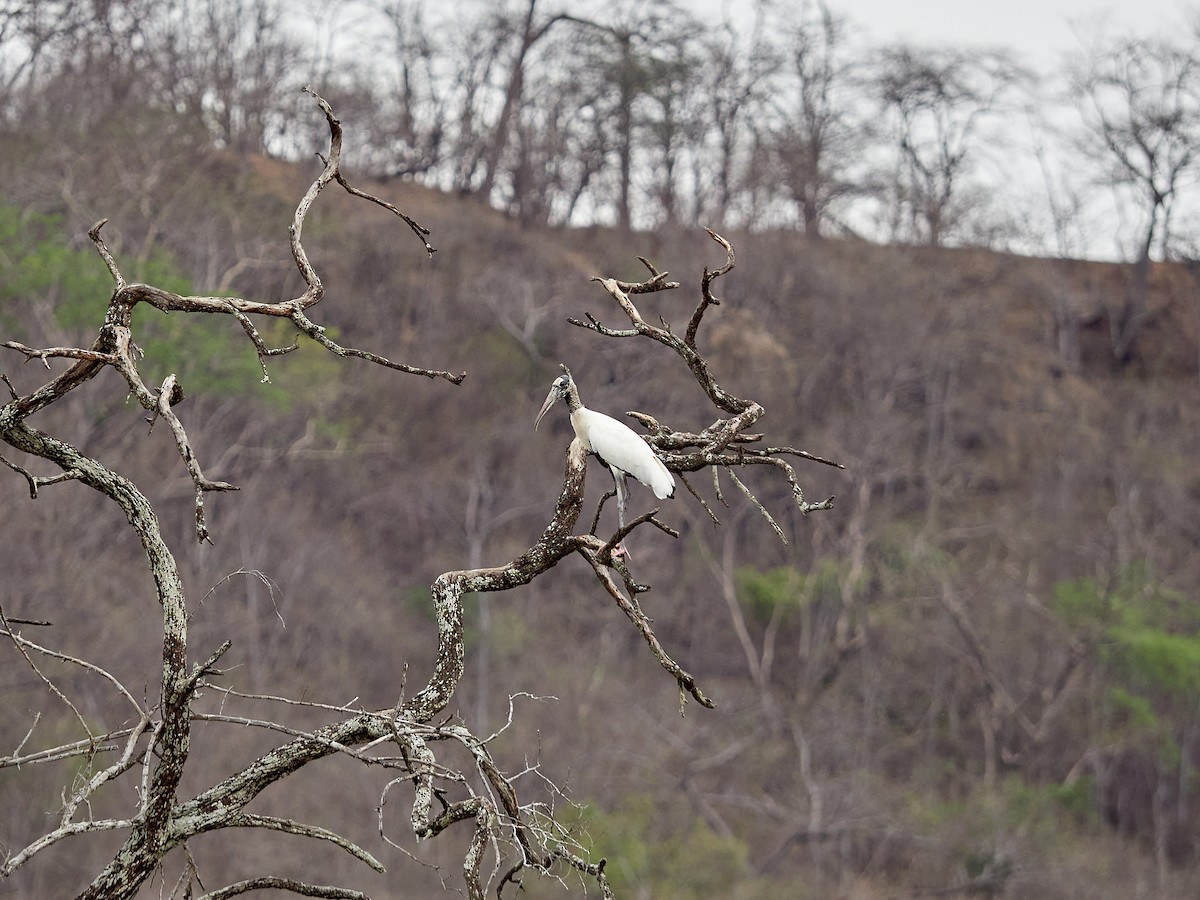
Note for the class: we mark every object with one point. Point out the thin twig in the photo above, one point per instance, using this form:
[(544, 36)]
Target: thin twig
[(22, 644), (757, 505), (633, 612)]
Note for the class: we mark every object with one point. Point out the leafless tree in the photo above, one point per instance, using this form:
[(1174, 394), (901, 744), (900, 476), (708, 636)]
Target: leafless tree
[(28, 32), (150, 750), (628, 56), (939, 100), (814, 141), (530, 31), (414, 103), (1140, 104), (732, 85)]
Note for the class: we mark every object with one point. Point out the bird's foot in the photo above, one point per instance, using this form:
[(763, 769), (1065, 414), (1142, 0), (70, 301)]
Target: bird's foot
[(622, 552)]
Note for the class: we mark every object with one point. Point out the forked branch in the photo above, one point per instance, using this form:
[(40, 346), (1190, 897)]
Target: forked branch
[(114, 345), (723, 443), (155, 750)]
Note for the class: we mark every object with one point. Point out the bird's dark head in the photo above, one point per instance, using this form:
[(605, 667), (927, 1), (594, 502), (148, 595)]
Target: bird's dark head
[(559, 390)]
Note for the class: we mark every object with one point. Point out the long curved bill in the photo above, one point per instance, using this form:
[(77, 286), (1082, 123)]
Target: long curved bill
[(553, 396)]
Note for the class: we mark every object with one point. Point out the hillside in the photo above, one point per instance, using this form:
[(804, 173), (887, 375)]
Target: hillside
[(976, 674)]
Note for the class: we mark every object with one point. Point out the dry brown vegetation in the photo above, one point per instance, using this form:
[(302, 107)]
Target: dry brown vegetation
[(975, 674)]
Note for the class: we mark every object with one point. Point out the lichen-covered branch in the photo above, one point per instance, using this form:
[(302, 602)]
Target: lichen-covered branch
[(275, 883), (400, 739), (159, 821)]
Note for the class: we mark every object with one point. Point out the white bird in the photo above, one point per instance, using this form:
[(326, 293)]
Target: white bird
[(617, 445)]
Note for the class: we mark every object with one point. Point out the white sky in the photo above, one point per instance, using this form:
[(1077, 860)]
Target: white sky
[(1042, 31)]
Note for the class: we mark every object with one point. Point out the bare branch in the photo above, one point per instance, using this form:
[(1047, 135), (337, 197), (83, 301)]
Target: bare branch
[(621, 533), (703, 503), (419, 230), (316, 738), (127, 760), (23, 646), (288, 826), (634, 613), (596, 870), (259, 344), (620, 291), (22, 642), (45, 355), (270, 882), (37, 717), (762, 511), (169, 394), (317, 333), (19, 859), (94, 234), (706, 296), (36, 482), (84, 747)]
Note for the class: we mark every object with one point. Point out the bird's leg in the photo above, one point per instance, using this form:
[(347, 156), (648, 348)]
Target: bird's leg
[(622, 494)]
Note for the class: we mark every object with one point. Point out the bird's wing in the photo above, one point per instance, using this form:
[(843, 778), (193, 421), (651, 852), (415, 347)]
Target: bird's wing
[(621, 447)]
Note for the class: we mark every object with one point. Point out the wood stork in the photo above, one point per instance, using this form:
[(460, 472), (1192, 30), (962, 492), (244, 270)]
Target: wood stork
[(618, 446)]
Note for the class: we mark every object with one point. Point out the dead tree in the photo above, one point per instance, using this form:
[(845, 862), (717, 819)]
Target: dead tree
[(150, 750)]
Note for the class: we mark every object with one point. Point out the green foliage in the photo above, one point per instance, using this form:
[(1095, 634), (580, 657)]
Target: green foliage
[(1146, 638), (761, 592), (675, 860), (784, 590), (1146, 633), (1157, 659), (1082, 605), (1041, 808), (210, 354), (38, 266), (200, 350), (1131, 708)]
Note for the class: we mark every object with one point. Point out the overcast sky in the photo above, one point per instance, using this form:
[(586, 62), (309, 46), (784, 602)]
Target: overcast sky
[(1042, 31)]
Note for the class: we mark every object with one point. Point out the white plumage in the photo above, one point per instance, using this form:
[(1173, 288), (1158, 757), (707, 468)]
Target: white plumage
[(620, 447), (617, 445)]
